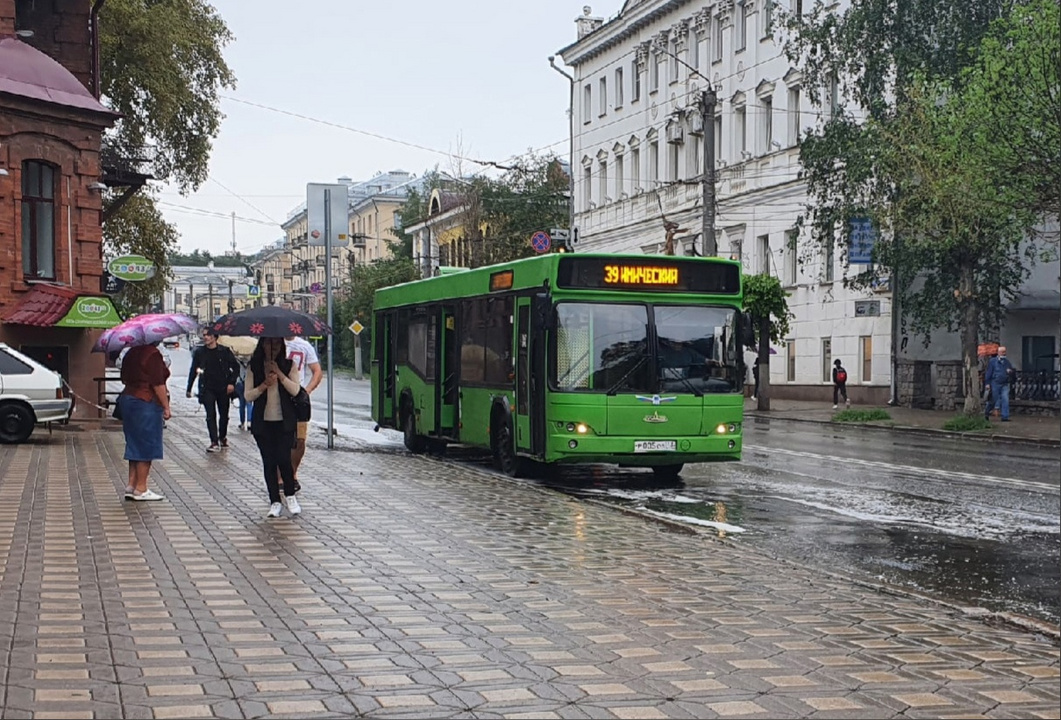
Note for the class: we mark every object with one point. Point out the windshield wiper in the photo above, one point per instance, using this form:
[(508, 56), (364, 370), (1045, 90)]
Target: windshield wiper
[(636, 366)]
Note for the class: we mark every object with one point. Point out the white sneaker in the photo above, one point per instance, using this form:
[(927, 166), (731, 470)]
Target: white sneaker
[(847, 403), (753, 398), (274, 510), (834, 407), (292, 505)]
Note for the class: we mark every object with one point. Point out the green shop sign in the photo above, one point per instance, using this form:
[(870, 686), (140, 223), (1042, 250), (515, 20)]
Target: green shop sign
[(90, 312), (132, 268)]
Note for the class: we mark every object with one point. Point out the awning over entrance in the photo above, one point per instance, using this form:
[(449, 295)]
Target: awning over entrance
[(56, 306)]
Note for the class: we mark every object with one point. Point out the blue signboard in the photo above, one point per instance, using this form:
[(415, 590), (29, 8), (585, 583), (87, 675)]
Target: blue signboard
[(863, 237)]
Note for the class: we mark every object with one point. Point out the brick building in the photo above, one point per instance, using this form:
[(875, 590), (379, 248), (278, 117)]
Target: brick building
[(51, 124)]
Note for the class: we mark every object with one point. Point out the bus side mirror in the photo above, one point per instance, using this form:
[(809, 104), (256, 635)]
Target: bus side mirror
[(747, 329), (542, 312)]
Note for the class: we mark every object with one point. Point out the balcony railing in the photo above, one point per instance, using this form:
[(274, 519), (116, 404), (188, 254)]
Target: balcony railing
[(1040, 385)]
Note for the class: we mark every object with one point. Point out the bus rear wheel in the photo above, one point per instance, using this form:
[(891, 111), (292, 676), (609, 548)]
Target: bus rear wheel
[(505, 458), (668, 472), (413, 443)]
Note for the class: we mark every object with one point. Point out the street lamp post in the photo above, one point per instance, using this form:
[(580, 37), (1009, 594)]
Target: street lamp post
[(571, 149)]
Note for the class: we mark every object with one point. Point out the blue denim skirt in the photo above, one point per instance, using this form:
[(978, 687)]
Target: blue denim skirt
[(142, 423)]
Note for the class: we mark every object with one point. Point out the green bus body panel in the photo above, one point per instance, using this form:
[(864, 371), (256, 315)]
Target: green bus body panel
[(615, 423)]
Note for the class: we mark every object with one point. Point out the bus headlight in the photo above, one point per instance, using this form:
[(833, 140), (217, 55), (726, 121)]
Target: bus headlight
[(571, 427), (582, 428), (572, 444), (727, 428)]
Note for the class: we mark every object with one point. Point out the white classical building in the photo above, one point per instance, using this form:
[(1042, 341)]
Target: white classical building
[(638, 144)]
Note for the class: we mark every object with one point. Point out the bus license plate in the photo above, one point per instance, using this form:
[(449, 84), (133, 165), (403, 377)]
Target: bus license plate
[(641, 446)]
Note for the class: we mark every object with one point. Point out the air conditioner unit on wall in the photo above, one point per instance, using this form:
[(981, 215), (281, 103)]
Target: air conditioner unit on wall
[(696, 123), (675, 133)]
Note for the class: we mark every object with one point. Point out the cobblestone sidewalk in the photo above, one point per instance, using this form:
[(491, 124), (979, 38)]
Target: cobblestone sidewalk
[(412, 587)]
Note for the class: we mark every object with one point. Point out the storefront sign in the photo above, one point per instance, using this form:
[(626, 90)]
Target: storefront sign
[(90, 312), (133, 268)]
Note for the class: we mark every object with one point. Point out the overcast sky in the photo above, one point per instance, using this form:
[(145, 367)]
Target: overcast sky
[(433, 74)]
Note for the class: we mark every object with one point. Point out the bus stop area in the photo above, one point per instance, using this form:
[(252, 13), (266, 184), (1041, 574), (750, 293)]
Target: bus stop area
[(413, 587)]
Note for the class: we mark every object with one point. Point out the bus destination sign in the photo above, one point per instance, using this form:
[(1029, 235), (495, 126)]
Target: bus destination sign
[(654, 274)]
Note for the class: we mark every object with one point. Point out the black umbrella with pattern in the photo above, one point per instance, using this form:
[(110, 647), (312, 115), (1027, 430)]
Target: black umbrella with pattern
[(270, 321)]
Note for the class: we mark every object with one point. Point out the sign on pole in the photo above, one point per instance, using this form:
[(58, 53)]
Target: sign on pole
[(337, 209), (356, 327), (132, 268), (254, 291), (541, 242), (863, 237)]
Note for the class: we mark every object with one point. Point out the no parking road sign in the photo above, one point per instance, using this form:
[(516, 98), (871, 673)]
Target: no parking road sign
[(541, 241)]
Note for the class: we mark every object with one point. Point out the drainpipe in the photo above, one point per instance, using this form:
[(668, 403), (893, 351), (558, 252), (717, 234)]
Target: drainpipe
[(571, 151), (94, 26)]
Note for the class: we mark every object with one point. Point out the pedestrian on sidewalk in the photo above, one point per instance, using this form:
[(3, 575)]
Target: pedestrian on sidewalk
[(144, 407), (1000, 373), (302, 353), (839, 384), (272, 384), (217, 370), (245, 408)]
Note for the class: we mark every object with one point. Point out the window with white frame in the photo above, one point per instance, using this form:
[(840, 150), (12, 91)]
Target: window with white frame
[(587, 185), (790, 357), (602, 101), (653, 164), (827, 360), (767, 20), (865, 356), (672, 59), (694, 164), (672, 164), (618, 88), (829, 259), (620, 179), (635, 82), (793, 116), (694, 48), (718, 137), (653, 72), (832, 96), (763, 246), (716, 43), (740, 29), (39, 181), (602, 178), (635, 169), (740, 131), (587, 103), (767, 121), (791, 255)]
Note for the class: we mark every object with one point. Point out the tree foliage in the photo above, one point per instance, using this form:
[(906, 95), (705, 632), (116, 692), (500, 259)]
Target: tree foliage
[(919, 154), (162, 68), (141, 229), (202, 258), (764, 297), (358, 295)]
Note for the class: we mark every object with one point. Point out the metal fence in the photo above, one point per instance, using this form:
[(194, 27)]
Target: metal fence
[(1044, 385)]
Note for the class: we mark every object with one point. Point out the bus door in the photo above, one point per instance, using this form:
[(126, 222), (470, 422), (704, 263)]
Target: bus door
[(522, 409), (383, 370), (531, 314), (446, 386)]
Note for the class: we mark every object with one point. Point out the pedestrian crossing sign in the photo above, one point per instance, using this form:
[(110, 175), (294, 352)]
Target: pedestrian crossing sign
[(254, 291)]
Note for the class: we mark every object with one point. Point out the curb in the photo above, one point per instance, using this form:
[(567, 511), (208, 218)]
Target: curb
[(914, 430)]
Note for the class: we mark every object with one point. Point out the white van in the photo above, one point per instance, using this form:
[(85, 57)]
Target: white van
[(29, 394)]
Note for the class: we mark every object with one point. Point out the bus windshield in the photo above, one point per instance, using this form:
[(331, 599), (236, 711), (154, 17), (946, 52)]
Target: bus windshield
[(607, 348)]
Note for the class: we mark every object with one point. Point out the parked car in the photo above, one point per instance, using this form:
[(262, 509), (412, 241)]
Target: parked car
[(171, 342), (30, 394)]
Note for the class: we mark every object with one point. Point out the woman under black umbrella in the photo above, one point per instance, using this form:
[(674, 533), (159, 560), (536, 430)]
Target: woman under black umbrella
[(272, 383)]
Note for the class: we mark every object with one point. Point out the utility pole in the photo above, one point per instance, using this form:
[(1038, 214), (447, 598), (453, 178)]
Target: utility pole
[(571, 152), (328, 296), (233, 233), (707, 106), (231, 302)]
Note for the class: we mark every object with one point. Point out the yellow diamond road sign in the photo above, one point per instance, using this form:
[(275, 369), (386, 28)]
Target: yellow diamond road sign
[(356, 327)]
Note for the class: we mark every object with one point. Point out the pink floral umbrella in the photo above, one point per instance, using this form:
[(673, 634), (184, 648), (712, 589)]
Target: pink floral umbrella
[(144, 330)]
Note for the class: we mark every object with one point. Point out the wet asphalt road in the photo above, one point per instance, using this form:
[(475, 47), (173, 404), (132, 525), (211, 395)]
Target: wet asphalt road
[(970, 522)]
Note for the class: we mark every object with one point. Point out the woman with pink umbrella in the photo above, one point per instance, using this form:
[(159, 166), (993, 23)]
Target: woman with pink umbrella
[(143, 405)]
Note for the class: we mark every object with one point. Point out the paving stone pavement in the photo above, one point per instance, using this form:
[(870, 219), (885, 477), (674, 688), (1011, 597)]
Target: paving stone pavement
[(411, 587)]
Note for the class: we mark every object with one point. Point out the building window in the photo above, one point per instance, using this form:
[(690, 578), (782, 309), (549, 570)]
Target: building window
[(603, 179), (672, 152), (791, 251), (832, 96), (793, 116), (602, 101), (768, 124), (768, 19), (718, 137), (829, 259), (587, 186), (827, 360), (635, 168), (717, 43), (694, 48), (38, 220), (618, 87), (866, 356), (620, 181), (741, 28), (635, 82), (1038, 353), (672, 59), (653, 164), (587, 102), (763, 243), (694, 167), (653, 72), (740, 138), (790, 369)]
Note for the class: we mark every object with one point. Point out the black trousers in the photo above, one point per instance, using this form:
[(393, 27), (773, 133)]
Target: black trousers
[(838, 390), (216, 404), (275, 443)]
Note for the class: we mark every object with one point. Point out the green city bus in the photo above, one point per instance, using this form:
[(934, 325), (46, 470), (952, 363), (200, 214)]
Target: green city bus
[(567, 358)]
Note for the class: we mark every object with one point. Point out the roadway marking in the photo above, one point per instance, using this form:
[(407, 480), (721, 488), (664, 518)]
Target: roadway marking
[(947, 474)]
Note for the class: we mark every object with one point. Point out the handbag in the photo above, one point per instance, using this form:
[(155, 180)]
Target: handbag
[(303, 409)]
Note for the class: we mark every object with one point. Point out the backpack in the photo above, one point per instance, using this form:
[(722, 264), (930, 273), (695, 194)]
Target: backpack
[(841, 376)]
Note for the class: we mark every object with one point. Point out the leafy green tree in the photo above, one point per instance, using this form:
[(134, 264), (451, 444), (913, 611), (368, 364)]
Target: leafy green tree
[(529, 197), (915, 156), (413, 211), (767, 301), (357, 303), (162, 68)]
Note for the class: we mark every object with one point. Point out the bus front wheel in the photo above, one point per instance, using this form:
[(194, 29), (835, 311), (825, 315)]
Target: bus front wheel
[(414, 443), (505, 457), (668, 472)]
